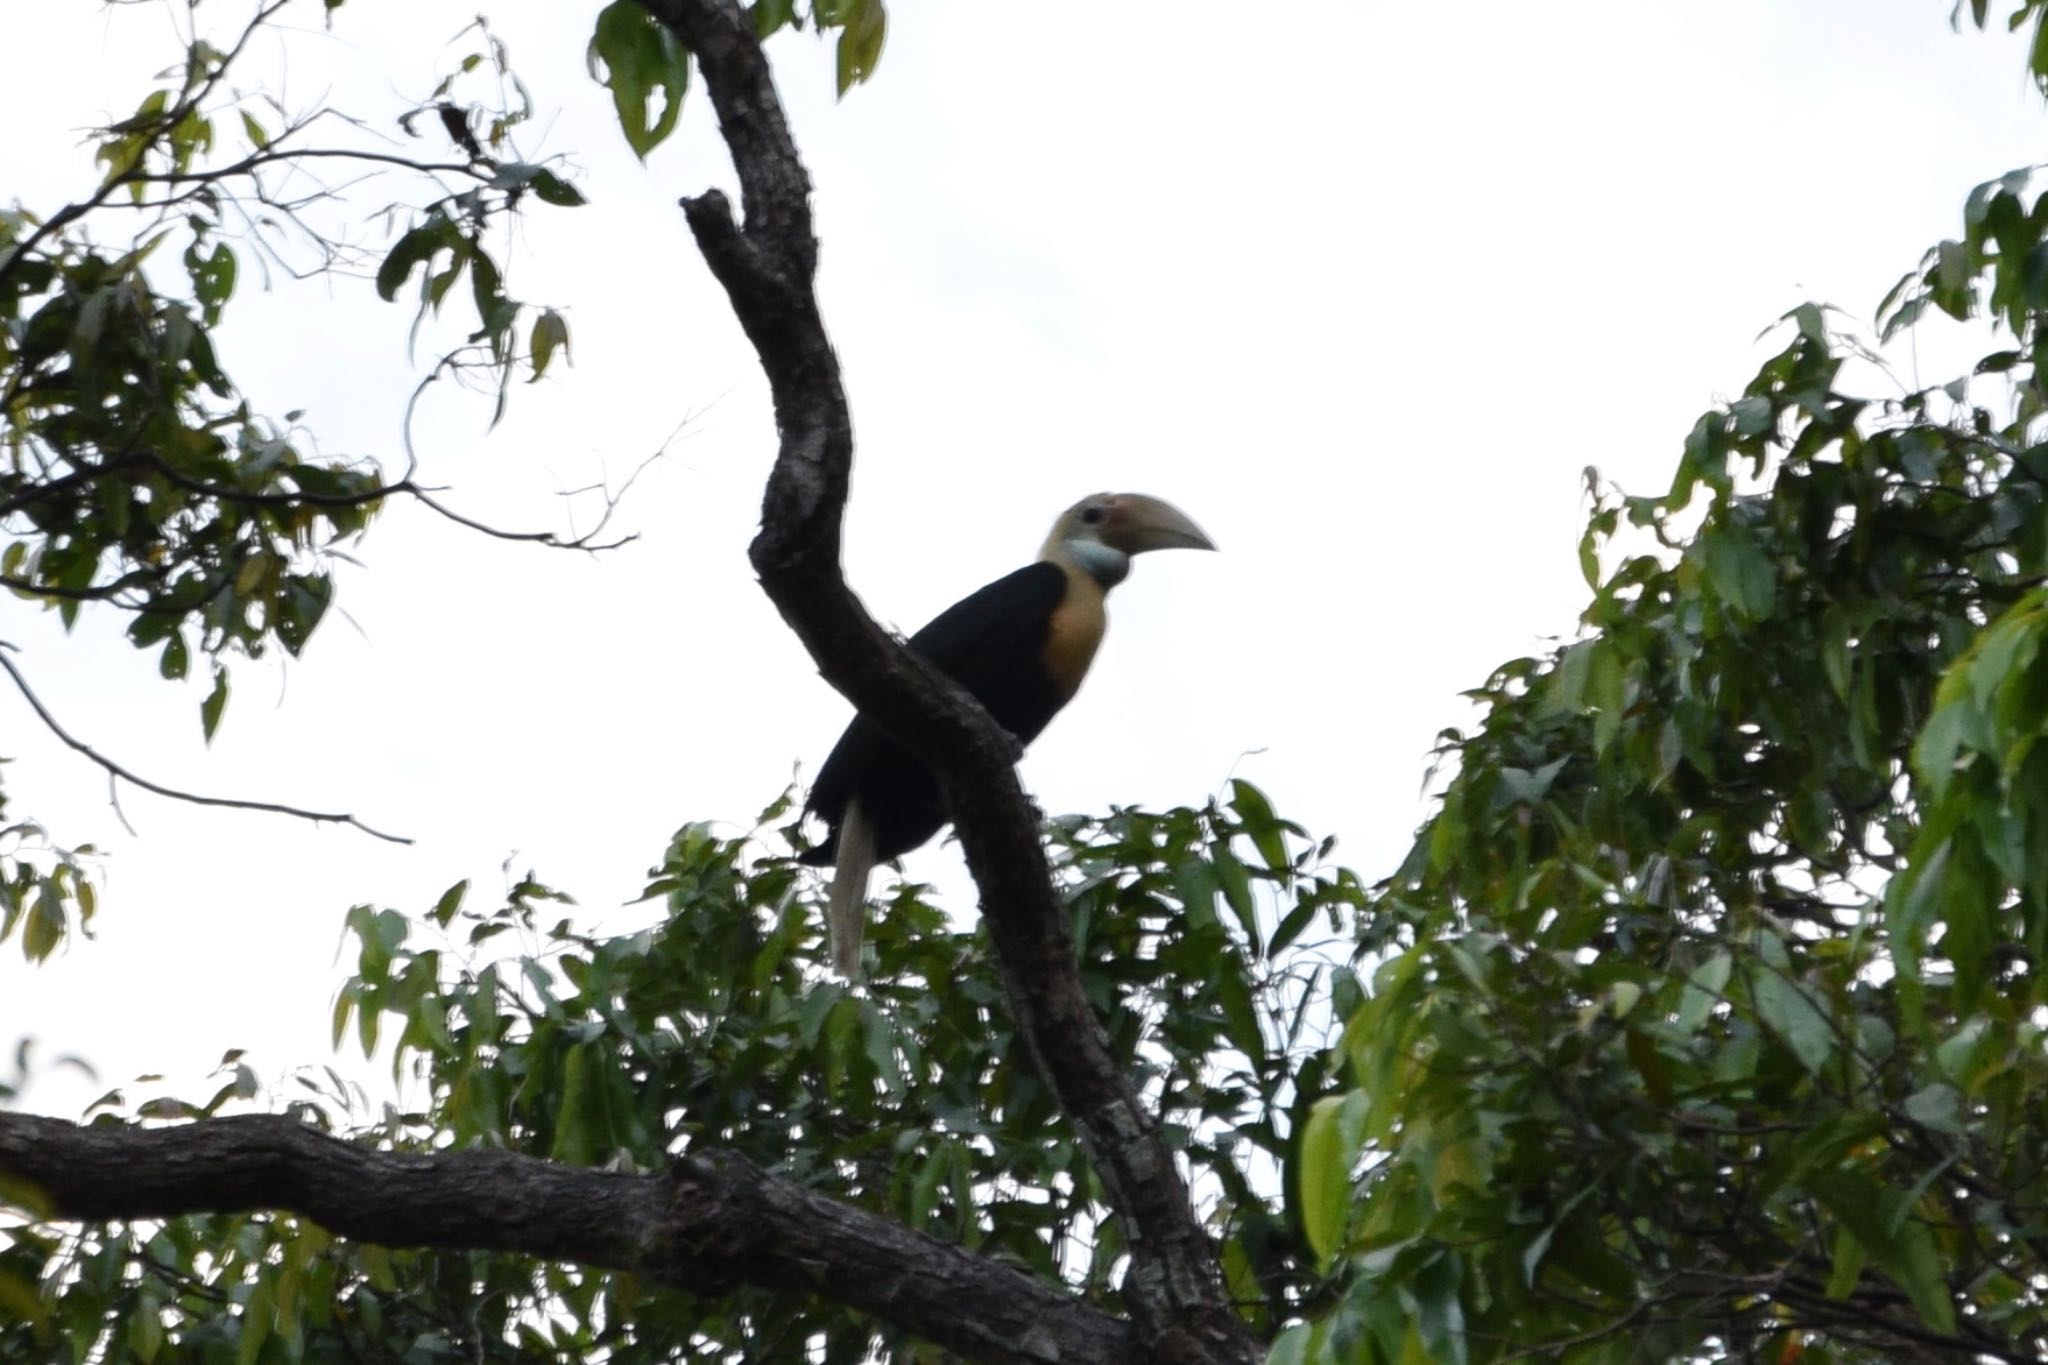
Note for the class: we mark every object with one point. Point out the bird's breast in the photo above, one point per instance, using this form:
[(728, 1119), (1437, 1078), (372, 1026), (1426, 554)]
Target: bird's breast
[(1074, 633)]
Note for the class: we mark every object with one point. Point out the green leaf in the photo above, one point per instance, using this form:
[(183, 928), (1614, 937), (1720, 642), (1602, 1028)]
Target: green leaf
[(1751, 416), (1440, 1312), (579, 1140), (1267, 831), (146, 1328), (487, 290), (1845, 1264), (860, 43), (1882, 1220), (44, 927), (304, 603), (258, 1318), (1790, 1011), (843, 1041), (1740, 572), (878, 1041), (550, 332), (817, 1006), (641, 61), (345, 1002), (216, 702), (213, 278), (552, 189), (1938, 1106), (771, 15), (1912, 902), (417, 246), (1331, 1139), (1291, 927), (1299, 1345), (1705, 988), (1237, 891), (451, 901)]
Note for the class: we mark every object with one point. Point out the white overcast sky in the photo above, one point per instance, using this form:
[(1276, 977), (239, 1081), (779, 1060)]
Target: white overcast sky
[(1361, 286)]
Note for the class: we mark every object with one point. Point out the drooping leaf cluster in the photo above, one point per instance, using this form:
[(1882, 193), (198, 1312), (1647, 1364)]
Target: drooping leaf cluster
[(133, 472), (647, 69), (1206, 937), (135, 477), (862, 26)]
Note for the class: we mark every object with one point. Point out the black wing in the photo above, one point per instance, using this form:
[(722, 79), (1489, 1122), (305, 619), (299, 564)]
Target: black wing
[(992, 643)]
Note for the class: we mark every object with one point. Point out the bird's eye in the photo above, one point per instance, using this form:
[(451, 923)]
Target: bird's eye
[(1093, 515)]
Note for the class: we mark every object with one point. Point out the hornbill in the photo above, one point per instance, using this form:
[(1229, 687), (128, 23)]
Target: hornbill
[(1021, 646)]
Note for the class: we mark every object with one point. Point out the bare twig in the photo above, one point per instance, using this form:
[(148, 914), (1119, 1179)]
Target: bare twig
[(273, 154), (586, 541), (169, 119), (115, 770)]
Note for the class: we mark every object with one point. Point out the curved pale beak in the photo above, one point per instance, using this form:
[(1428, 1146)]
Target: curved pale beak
[(1137, 523)]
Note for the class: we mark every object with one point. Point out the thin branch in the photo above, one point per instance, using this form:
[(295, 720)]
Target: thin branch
[(105, 592), (1175, 1290), (115, 770), (586, 541), (293, 155), (713, 1222), (23, 491), (70, 213)]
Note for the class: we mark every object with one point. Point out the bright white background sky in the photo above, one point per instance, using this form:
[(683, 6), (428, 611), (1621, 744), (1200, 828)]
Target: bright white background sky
[(1361, 286)]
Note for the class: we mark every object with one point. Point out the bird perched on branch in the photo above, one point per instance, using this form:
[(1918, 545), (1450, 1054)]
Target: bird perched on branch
[(1020, 646)]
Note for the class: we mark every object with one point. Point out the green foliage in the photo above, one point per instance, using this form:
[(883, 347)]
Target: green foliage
[(134, 476), (635, 56), (1206, 938), (1703, 1020), (46, 891), (648, 71), (131, 473), (862, 27), (450, 237), (1710, 1023), (862, 24)]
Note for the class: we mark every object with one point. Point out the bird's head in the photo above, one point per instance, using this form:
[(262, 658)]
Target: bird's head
[(1099, 534)]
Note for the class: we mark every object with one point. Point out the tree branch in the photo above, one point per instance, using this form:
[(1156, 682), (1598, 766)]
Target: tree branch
[(18, 255), (713, 1222), (115, 770), (1174, 1289)]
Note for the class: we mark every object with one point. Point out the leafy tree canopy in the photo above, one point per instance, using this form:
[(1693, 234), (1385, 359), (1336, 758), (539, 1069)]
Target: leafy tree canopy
[(1702, 1021)]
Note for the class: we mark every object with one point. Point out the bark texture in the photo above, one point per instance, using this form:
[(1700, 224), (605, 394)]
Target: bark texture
[(712, 1222), (767, 263)]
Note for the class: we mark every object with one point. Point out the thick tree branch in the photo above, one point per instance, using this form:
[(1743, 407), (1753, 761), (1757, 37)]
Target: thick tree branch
[(1174, 1290), (715, 1221)]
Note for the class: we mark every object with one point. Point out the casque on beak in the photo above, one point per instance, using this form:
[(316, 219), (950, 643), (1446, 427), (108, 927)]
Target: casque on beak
[(1137, 523)]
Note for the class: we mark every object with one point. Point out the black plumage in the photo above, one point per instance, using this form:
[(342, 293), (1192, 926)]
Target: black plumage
[(989, 642), (1021, 647)]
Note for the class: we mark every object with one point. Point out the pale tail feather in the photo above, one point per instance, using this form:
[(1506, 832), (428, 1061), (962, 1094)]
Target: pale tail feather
[(846, 909)]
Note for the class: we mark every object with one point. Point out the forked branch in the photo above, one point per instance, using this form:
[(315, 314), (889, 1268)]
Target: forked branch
[(767, 263)]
